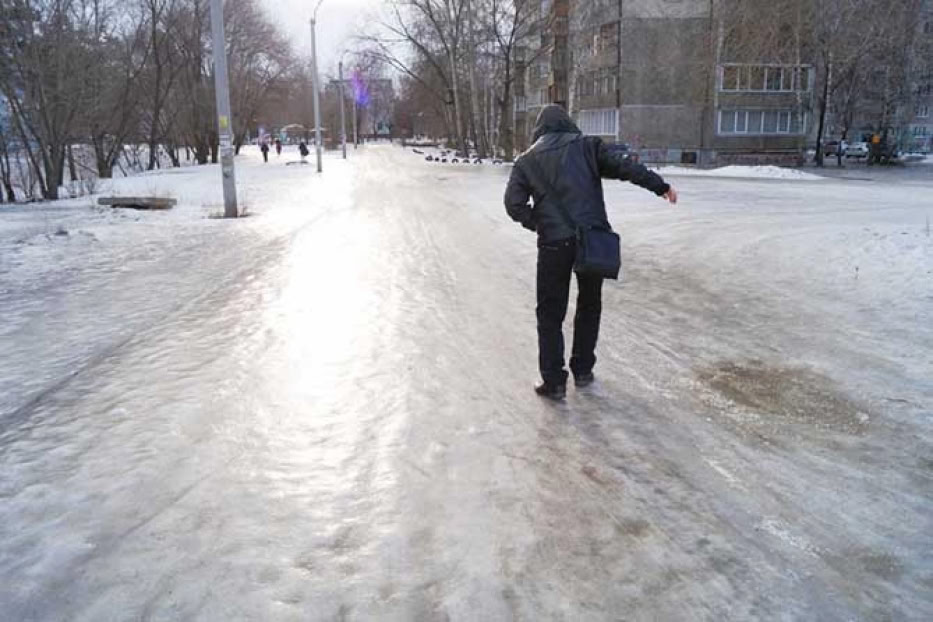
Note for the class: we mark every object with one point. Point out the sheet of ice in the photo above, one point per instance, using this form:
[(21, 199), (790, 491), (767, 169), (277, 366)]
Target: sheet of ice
[(52, 256), (324, 412)]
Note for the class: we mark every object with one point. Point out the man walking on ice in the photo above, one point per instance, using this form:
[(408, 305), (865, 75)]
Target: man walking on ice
[(562, 172)]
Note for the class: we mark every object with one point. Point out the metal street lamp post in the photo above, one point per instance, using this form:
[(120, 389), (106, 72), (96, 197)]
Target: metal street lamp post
[(343, 119), (315, 94), (224, 117)]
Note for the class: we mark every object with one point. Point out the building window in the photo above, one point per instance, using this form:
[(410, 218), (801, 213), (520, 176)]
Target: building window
[(761, 122), (774, 77), (764, 78), (769, 122), (585, 85), (920, 131), (534, 100), (923, 111), (756, 81), (730, 78), (595, 83), (600, 122), (727, 122), (607, 38), (784, 122), (599, 83)]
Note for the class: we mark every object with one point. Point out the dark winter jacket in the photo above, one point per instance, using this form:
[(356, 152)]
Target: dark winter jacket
[(563, 167)]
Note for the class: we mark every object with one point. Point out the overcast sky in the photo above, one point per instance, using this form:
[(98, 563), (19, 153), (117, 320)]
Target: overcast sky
[(337, 22)]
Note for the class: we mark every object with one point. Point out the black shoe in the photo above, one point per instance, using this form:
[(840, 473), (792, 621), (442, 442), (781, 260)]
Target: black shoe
[(584, 380), (554, 392)]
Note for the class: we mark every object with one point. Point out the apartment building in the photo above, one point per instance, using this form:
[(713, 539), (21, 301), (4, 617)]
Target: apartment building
[(654, 74)]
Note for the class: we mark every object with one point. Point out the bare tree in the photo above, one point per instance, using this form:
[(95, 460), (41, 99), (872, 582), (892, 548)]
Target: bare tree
[(513, 24), (432, 30), (158, 81), (260, 61), (116, 41), (43, 61), (6, 147)]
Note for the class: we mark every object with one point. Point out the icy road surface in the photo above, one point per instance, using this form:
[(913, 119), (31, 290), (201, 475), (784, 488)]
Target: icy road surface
[(324, 411)]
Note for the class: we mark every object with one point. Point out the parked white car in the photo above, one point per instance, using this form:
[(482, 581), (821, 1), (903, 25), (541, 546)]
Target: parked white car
[(857, 150)]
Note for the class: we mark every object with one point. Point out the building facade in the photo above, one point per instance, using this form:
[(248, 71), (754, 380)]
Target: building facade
[(655, 75)]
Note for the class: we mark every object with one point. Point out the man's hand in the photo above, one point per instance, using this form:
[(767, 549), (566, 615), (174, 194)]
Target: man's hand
[(671, 195)]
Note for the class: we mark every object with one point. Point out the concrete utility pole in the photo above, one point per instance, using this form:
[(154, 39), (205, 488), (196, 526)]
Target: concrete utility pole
[(317, 86), (356, 132), (224, 118), (343, 118)]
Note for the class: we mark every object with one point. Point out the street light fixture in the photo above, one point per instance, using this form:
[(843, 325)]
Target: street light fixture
[(316, 84)]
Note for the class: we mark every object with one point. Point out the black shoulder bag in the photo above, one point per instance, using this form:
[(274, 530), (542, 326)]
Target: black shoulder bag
[(598, 248)]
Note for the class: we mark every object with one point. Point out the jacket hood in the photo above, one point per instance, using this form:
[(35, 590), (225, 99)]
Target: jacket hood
[(553, 118)]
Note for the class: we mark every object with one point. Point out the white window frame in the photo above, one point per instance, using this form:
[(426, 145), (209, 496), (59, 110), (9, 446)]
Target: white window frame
[(791, 78), (722, 78), (598, 121), (923, 111), (769, 73), (785, 120), (731, 116)]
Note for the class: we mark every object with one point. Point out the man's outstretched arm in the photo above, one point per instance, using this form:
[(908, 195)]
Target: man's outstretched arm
[(623, 168), (517, 193)]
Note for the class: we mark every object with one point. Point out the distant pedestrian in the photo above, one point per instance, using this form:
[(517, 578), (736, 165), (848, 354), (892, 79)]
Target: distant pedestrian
[(841, 151), (562, 172), (303, 150), (874, 150), (278, 146), (264, 147)]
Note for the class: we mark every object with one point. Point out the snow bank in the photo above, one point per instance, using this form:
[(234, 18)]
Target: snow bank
[(749, 172)]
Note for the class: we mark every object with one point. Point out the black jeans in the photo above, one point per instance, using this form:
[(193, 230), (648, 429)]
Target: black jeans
[(555, 265)]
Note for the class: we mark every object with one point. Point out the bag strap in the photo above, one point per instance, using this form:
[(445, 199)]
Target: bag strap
[(549, 188)]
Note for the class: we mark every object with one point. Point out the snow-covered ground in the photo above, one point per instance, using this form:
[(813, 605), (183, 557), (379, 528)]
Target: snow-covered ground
[(746, 172), (323, 411)]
